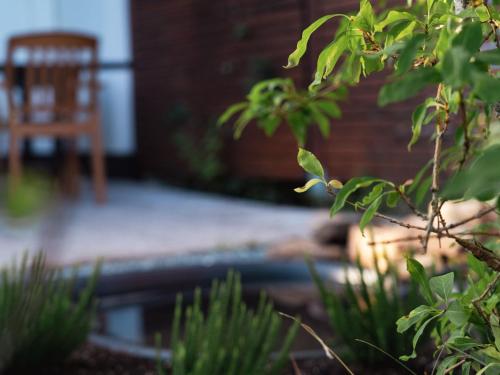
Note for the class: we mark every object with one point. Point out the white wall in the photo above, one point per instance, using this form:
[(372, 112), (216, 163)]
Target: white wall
[(109, 21)]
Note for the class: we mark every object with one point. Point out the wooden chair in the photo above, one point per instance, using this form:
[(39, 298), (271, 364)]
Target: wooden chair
[(52, 90)]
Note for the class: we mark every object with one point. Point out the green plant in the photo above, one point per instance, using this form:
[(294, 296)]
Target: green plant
[(230, 338), (202, 156), (452, 46), (273, 101), (374, 309), (465, 323), (40, 325)]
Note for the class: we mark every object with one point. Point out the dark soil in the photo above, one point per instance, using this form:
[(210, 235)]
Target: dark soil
[(98, 361), (90, 359)]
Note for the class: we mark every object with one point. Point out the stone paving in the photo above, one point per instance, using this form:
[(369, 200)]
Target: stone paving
[(145, 220)]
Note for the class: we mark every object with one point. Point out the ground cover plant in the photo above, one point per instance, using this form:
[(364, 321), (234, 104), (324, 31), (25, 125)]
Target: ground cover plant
[(374, 309), (230, 338), (40, 323), (453, 48)]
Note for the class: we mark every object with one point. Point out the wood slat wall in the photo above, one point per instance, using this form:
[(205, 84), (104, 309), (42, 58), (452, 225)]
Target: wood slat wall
[(187, 51)]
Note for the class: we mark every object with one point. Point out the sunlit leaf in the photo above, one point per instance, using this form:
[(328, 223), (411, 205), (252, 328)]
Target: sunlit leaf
[(350, 187), (309, 184), (394, 16), (309, 163), (369, 213), (419, 275), (295, 56)]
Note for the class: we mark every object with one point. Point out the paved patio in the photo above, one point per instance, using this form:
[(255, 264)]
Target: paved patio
[(145, 220)]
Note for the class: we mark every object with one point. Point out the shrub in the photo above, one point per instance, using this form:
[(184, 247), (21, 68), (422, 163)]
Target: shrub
[(39, 323), (369, 314), (452, 47), (230, 338)]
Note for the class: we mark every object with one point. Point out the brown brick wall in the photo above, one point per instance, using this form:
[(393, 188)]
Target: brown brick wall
[(189, 51)]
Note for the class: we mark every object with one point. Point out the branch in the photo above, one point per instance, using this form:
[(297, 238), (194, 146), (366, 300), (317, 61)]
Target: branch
[(474, 217), (441, 127), (463, 115), (477, 301), (480, 252), (410, 204)]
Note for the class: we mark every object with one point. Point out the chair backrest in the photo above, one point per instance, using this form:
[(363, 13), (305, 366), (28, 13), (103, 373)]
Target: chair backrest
[(51, 73)]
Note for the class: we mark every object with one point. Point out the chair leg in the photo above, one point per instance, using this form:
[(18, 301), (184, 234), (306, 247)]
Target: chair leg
[(71, 172), (98, 167), (15, 167)]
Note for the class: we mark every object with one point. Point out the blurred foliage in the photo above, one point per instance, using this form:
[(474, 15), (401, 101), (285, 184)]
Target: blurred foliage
[(369, 313), (40, 323), (465, 323), (230, 338), (201, 155), (276, 100), (29, 196)]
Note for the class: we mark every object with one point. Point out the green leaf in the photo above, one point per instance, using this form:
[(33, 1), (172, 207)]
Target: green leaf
[(430, 3), (242, 121), (374, 194), (408, 53), (442, 285), (270, 124), (320, 119), (230, 112), (298, 122), (415, 317), (365, 19), (495, 329), (310, 163), (328, 59), (329, 107), (466, 368), (423, 190), (457, 313), (350, 187), (456, 67), (418, 118), (417, 336), (487, 87), (408, 86), (491, 57), (394, 16), (309, 184), (470, 38), (481, 180), (447, 363), (419, 275), (392, 199), (300, 50), (486, 368), (369, 214)]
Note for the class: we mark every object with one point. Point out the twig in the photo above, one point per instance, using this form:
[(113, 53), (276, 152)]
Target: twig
[(296, 368), (493, 25), (476, 216), (451, 368), (388, 355), (441, 127), (410, 204), (385, 217), (328, 351), (476, 301), (396, 240), (463, 115)]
